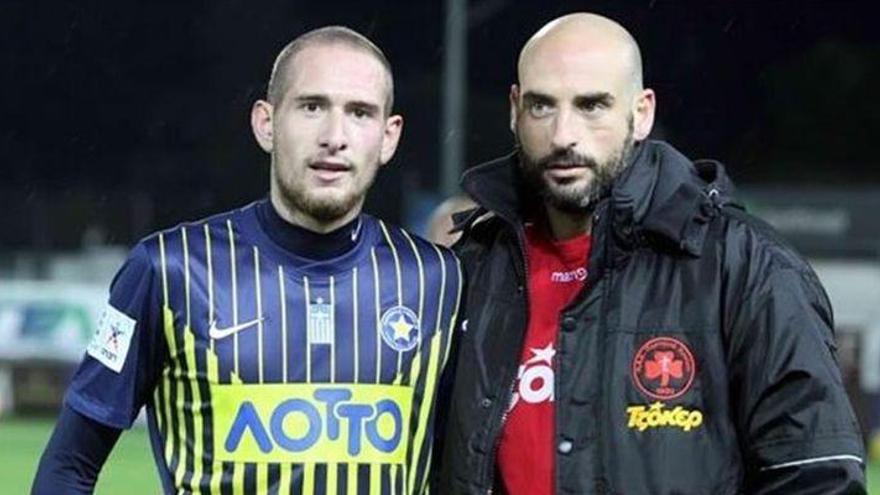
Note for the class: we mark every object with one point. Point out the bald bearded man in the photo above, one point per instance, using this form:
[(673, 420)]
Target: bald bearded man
[(630, 328)]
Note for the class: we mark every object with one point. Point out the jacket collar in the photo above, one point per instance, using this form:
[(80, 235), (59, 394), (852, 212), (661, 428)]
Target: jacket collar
[(661, 196)]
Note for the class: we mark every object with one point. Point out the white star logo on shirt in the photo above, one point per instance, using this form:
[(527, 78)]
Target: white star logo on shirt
[(546, 354), (401, 328)]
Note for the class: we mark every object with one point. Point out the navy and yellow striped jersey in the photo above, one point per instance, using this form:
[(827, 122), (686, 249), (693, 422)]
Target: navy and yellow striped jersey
[(264, 372)]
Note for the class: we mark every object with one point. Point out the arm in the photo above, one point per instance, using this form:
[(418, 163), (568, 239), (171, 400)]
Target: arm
[(443, 401), (827, 476), (797, 429), (74, 455), (117, 374)]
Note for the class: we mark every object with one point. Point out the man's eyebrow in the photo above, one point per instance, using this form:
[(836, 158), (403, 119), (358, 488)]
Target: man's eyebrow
[(536, 97), (363, 105), (597, 97), (311, 98)]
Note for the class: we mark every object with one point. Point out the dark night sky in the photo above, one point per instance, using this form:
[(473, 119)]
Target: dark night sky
[(134, 115)]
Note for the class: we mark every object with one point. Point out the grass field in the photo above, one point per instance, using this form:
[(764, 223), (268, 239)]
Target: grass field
[(130, 469), (874, 478)]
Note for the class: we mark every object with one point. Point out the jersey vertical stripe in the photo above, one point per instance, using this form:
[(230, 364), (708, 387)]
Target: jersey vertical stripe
[(229, 469), (416, 360), (332, 329), (172, 440), (429, 377), (233, 263), (305, 311), (204, 369), (213, 469), (354, 323), (193, 463), (425, 461), (376, 300), (397, 277), (258, 291), (282, 305)]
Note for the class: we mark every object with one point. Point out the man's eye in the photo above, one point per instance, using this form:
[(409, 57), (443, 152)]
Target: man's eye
[(311, 107), (592, 106), (360, 113), (539, 109)]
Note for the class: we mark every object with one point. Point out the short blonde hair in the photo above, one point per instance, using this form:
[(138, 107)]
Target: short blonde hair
[(325, 35)]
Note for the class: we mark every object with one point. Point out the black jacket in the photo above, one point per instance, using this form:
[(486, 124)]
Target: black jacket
[(752, 401)]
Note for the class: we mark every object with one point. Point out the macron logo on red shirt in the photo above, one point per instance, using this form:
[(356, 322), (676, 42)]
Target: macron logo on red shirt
[(578, 275)]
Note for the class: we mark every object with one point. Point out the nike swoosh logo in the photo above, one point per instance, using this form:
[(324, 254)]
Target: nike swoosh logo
[(217, 333), (356, 231)]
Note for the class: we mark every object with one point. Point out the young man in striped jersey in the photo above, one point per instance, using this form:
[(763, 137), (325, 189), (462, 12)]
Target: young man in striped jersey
[(290, 346)]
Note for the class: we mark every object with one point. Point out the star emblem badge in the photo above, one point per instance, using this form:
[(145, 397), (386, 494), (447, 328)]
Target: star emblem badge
[(542, 354), (401, 328)]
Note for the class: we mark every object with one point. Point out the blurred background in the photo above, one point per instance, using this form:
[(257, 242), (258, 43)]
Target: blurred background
[(123, 117)]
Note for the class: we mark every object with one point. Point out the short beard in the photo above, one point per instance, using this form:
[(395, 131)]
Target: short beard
[(324, 210), (582, 199)]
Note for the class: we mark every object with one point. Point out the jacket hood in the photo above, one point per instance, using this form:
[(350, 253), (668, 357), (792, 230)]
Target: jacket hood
[(661, 195)]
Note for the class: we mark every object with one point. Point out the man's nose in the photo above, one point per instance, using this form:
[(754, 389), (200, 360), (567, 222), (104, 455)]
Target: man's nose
[(333, 136), (565, 130)]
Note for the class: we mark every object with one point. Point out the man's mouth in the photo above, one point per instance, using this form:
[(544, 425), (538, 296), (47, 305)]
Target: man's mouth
[(564, 171), (330, 166), (564, 165), (328, 172)]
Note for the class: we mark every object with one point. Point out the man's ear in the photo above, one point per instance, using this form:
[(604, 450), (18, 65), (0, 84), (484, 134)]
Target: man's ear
[(643, 121), (514, 106), (391, 137), (261, 124)]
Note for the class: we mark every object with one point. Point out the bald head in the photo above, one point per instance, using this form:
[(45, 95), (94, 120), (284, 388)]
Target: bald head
[(585, 34), (578, 108)]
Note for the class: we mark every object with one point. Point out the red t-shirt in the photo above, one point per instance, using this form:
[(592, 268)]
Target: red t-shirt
[(557, 271)]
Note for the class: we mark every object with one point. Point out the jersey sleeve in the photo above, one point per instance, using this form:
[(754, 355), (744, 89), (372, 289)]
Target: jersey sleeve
[(800, 433), (74, 455), (126, 354)]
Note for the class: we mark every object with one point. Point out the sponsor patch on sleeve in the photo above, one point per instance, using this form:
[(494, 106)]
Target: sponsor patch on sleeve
[(112, 338)]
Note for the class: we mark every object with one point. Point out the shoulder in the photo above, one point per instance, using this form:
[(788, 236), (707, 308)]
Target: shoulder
[(173, 242), (478, 227), (756, 253), (753, 237), (484, 233), (415, 246)]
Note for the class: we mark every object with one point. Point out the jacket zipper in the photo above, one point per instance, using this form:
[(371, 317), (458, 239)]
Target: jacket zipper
[(588, 286), (505, 401), (497, 443)]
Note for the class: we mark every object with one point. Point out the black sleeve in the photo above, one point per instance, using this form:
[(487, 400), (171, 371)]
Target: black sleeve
[(77, 450), (828, 477), (799, 432)]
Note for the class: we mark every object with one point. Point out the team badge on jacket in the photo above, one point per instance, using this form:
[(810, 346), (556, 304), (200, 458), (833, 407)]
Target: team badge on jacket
[(663, 368), (400, 328)]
